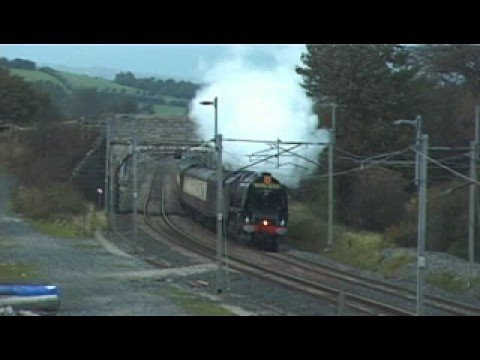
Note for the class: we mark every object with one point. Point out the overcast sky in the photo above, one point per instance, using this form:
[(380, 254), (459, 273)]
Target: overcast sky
[(178, 61)]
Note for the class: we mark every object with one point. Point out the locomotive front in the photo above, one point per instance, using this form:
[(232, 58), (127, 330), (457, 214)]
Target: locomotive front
[(266, 210)]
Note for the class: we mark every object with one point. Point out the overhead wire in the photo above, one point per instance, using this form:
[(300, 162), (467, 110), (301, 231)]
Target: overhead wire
[(456, 173)]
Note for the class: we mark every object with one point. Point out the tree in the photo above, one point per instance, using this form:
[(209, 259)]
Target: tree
[(372, 83), (125, 78), (22, 64), (92, 103), (378, 198), (85, 102), (21, 104), (152, 86), (376, 84), (458, 64)]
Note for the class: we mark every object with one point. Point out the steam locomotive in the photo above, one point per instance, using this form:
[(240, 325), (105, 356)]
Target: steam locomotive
[(255, 205)]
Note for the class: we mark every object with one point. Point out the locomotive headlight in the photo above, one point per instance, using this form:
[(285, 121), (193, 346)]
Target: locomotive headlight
[(282, 222), (265, 222), (247, 220)]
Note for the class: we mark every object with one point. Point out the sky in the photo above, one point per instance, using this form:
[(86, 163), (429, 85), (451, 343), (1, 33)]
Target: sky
[(186, 62)]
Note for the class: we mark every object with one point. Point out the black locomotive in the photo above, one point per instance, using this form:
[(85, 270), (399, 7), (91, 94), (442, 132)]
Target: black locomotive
[(255, 205)]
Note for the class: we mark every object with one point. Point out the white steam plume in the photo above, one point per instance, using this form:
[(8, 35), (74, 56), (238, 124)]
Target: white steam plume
[(260, 104)]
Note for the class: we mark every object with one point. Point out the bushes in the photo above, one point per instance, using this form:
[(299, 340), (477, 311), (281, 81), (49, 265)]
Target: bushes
[(377, 200), (313, 192), (46, 155), (305, 229), (48, 202), (363, 250), (42, 162), (447, 221), (405, 234)]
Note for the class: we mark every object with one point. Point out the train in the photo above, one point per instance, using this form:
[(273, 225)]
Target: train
[(255, 204)]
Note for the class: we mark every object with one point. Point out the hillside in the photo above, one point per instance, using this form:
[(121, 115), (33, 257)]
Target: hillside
[(78, 81), (70, 81), (166, 105), (36, 75)]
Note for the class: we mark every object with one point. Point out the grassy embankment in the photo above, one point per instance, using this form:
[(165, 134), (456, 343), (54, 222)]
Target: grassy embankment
[(73, 227), (42, 193), (363, 250), (58, 211)]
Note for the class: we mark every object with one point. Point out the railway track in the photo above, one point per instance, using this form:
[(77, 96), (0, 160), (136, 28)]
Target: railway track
[(443, 304), (329, 293), (303, 275), (167, 228)]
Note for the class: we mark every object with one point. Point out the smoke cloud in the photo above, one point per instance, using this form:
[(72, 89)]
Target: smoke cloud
[(260, 103)]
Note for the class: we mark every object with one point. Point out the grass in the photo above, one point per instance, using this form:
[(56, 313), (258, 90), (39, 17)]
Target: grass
[(78, 81), (56, 228), (8, 245), (448, 281), (36, 75), (359, 249), (18, 272), (306, 231), (59, 212), (169, 110), (392, 265), (194, 305), (73, 227), (362, 250), (86, 245)]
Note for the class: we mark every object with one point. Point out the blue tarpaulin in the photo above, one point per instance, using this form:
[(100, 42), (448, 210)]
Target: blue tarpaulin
[(28, 290)]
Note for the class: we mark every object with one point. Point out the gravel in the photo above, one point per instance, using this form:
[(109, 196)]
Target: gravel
[(437, 263)]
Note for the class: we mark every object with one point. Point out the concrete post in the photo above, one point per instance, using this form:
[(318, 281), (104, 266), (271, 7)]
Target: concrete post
[(422, 222)]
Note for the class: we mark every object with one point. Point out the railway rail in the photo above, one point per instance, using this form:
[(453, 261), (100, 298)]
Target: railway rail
[(167, 228), (303, 275), (437, 302)]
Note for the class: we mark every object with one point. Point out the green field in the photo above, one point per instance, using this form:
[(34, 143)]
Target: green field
[(172, 98), (78, 81), (74, 81), (169, 110), (36, 75)]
